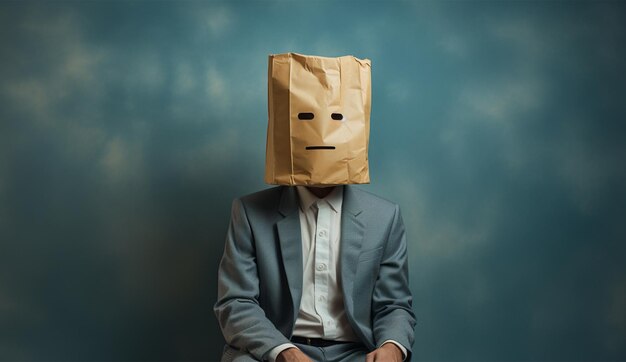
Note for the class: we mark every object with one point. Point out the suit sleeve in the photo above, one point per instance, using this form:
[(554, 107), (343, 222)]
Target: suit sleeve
[(240, 317), (392, 315)]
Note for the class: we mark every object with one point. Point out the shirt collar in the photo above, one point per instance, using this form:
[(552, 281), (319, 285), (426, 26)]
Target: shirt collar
[(335, 198)]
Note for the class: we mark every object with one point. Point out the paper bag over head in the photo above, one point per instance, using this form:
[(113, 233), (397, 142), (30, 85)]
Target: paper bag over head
[(319, 120)]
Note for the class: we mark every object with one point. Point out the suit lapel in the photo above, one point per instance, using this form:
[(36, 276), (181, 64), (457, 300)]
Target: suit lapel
[(290, 238), (352, 232)]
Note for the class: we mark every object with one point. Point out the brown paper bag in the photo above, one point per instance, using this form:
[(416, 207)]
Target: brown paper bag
[(319, 118)]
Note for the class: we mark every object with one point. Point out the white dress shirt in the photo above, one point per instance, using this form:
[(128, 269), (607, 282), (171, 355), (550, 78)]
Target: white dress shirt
[(321, 313)]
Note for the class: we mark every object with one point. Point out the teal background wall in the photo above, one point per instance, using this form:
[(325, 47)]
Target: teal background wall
[(126, 129)]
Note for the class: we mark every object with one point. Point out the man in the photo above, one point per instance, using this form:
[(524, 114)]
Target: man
[(316, 269)]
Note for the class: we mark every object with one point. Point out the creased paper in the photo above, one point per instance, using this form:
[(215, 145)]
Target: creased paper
[(331, 148)]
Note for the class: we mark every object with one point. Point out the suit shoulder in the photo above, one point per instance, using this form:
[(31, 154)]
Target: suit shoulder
[(373, 201), (261, 198)]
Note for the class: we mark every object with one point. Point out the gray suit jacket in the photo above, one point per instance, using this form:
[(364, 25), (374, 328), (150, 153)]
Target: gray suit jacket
[(260, 275)]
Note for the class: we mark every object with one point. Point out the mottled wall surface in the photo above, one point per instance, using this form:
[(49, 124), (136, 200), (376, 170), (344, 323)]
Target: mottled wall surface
[(126, 129)]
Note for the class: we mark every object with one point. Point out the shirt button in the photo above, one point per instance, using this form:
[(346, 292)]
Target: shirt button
[(322, 233), (321, 298), (321, 267)]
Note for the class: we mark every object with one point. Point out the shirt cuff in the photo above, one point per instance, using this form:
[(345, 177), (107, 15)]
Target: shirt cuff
[(274, 352), (404, 352)]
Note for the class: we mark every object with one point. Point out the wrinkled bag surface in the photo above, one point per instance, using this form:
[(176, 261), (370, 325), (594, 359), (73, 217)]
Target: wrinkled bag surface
[(329, 146)]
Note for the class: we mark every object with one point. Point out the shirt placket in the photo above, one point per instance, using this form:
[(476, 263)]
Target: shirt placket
[(322, 259)]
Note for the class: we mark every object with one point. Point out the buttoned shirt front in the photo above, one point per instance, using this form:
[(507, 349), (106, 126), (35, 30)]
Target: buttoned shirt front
[(322, 313)]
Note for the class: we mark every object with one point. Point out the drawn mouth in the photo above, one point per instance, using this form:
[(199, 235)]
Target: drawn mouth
[(320, 147)]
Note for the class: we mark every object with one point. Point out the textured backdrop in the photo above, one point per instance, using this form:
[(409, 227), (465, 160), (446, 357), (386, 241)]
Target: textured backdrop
[(126, 129)]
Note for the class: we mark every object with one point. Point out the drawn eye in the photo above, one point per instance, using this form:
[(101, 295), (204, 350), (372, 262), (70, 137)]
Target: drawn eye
[(336, 116), (305, 116)]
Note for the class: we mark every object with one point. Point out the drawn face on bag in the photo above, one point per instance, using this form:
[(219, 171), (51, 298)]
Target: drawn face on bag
[(318, 130)]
